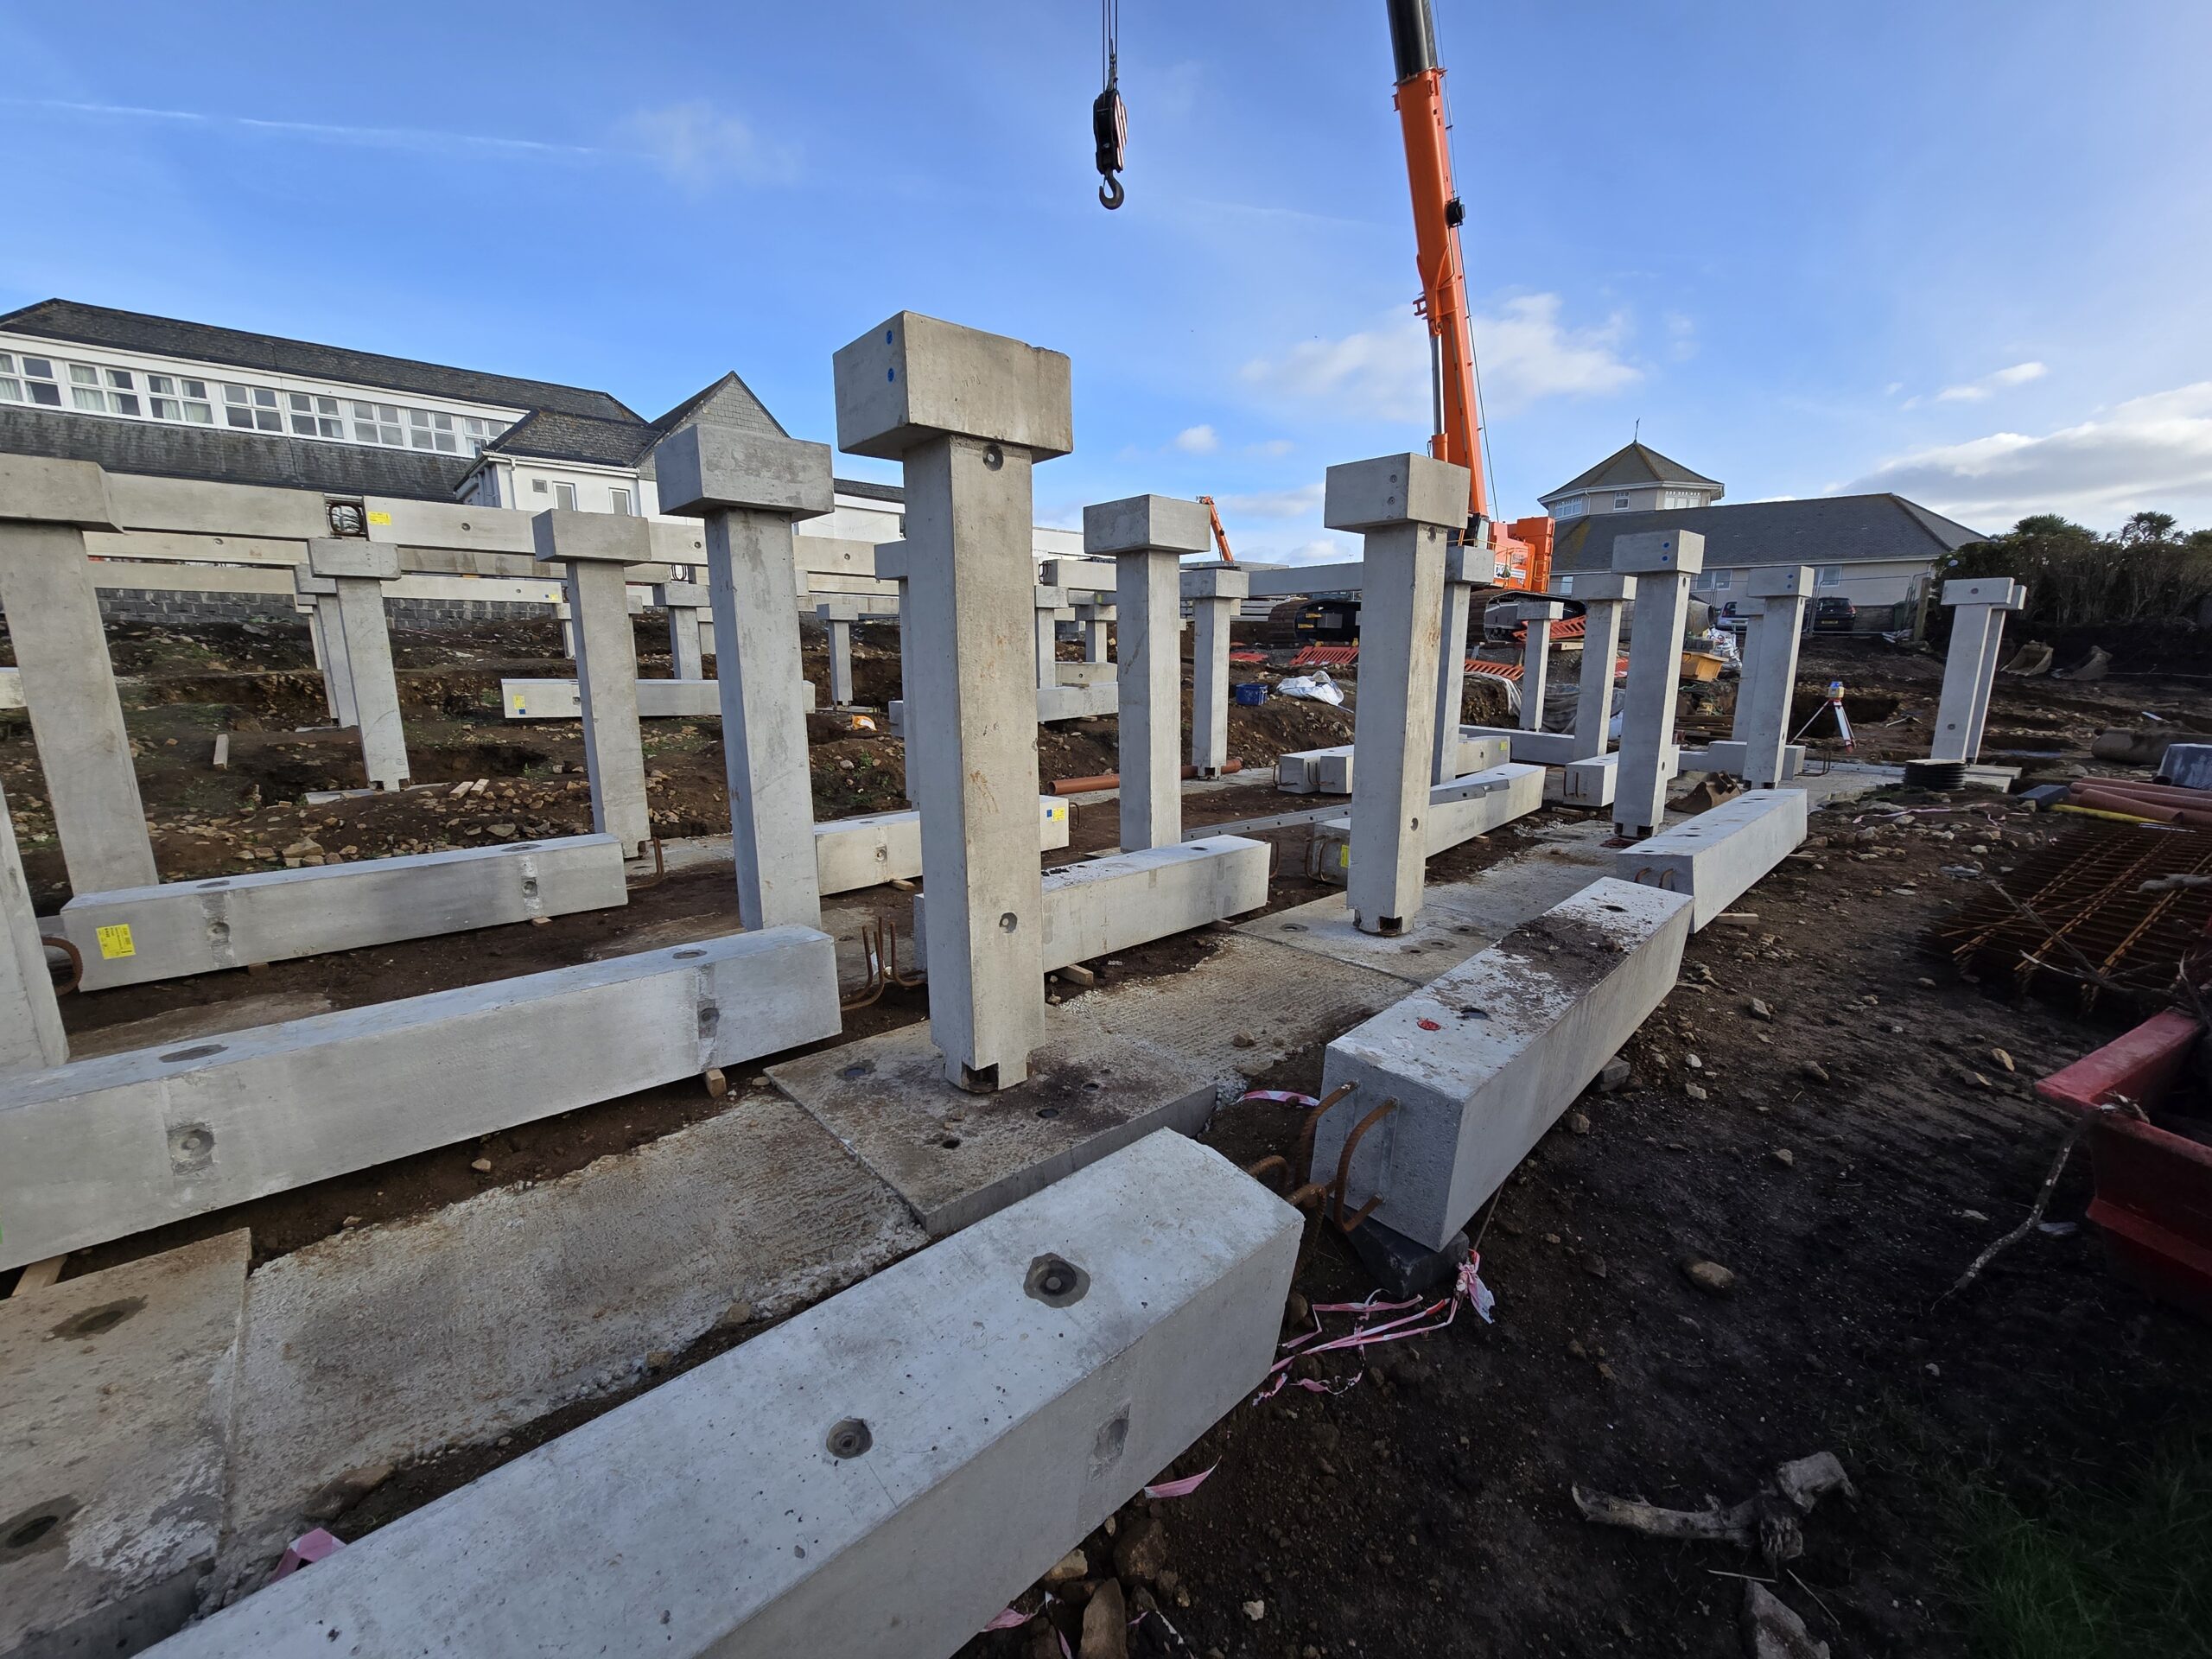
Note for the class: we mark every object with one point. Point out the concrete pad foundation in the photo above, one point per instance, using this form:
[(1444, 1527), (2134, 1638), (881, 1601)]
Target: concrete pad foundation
[(840, 1484), (1716, 856), (115, 1463), (1483, 1060), (171, 930), (102, 1148)]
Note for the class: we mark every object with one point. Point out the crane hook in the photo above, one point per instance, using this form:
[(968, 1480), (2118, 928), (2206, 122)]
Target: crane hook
[(1109, 117), (1111, 193)]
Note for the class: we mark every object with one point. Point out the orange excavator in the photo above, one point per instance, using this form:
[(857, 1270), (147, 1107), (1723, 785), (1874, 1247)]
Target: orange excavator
[(1521, 552)]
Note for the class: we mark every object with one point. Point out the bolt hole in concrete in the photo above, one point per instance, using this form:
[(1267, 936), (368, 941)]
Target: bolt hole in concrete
[(205, 885), (41, 1526), (522, 846), (849, 1438), (1009, 922), (687, 955), (1048, 1111), (993, 457), (97, 1321), (950, 1143), (197, 1051), (860, 1070), (1056, 1281)]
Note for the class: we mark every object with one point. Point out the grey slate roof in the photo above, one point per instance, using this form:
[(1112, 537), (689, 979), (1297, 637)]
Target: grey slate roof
[(1636, 465), (1820, 530), (134, 331), (163, 450), (549, 435)]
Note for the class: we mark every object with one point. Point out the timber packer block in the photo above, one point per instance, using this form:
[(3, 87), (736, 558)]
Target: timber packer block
[(176, 928), (102, 1148), (1457, 811), (1114, 903), (1716, 856), (1482, 1061), (840, 1485)]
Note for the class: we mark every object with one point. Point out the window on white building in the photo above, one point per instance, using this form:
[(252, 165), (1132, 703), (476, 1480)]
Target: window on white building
[(1830, 575), (252, 408), (378, 423), (11, 389), (1722, 580), (38, 382), (1620, 503), (1565, 584), (179, 398), (314, 416), (1571, 508), (564, 495), (621, 500)]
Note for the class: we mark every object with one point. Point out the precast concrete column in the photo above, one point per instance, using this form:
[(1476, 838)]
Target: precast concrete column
[(1459, 584), (751, 487), (838, 617), (1215, 592), (1779, 594), (1602, 594), (318, 596), (596, 546), (1662, 561), (1405, 507), (1052, 604), (1146, 536), (1094, 619), (891, 556), (358, 570), (31, 1038), (566, 615), (1536, 617), (683, 601), (1970, 669), (968, 414), (54, 618)]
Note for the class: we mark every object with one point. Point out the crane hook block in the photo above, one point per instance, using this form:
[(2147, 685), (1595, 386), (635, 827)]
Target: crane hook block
[(1109, 131)]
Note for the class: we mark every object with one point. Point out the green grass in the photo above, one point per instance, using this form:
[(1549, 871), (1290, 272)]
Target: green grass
[(2109, 1572)]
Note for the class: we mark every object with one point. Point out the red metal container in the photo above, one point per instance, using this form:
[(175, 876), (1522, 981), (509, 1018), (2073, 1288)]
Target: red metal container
[(2153, 1201)]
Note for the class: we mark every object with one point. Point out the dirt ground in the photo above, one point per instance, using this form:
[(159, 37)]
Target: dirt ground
[(1823, 1107)]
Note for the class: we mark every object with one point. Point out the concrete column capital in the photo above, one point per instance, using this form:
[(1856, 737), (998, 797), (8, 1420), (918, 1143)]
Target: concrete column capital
[(914, 378), (1147, 524), (351, 557), (710, 469), (564, 536), (1363, 495), (36, 490)]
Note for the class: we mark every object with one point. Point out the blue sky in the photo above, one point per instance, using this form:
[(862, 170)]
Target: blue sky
[(1961, 250)]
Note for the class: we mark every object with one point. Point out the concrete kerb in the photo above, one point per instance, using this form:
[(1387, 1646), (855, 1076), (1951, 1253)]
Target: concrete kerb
[(1718, 856), (102, 1148), (1481, 1062), (172, 930), (1120, 1313)]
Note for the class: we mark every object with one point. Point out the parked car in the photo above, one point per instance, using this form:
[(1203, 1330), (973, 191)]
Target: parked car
[(1834, 616), (1729, 619)]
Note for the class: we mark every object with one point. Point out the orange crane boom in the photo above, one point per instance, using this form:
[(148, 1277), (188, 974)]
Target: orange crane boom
[(1220, 536)]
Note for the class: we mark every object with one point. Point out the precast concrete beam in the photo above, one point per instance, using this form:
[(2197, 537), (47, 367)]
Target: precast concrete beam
[(840, 1484), (179, 928), (53, 620), (1718, 856), (968, 413), (1457, 811), (1215, 593), (1117, 903), (31, 1038), (656, 699), (861, 852), (594, 546), (1726, 755), (751, 488), (1146, 536), (1535, 748), (1536, 617), (99, 1149), (1663, 563), (1403, 505), (1333, 769), (1590, 781), (1483, 1060), (1603, 594)]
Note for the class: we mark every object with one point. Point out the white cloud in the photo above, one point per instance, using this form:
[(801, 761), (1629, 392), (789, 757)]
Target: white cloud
[(698, 147), (1272, 447), (1197, 441), (1276, 504), (1382, 373), (1974, 390), (2154, 451)]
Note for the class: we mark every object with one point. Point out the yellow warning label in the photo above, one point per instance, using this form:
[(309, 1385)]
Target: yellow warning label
[(517, 699), (115, 941), (1344, 857), (379, 518)]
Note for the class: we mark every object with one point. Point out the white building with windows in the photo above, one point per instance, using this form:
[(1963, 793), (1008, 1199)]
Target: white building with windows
[(153, 395), (1638, 479)]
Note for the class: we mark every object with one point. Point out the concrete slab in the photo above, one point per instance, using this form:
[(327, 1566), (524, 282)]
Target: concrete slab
[(1440, 936), (841, 1484), (174, 929), (545, 1296), (656, 699), (1482, 1061), (101, 1148), (1717, 857), (115, 1461), (1094, 909), (877, 846)]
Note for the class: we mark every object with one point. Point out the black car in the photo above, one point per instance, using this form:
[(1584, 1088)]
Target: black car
[(1834, 615)]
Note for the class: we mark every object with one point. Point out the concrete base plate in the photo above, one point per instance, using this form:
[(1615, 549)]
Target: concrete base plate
[(956, 1156), (116, 1456), (1441, 938)]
